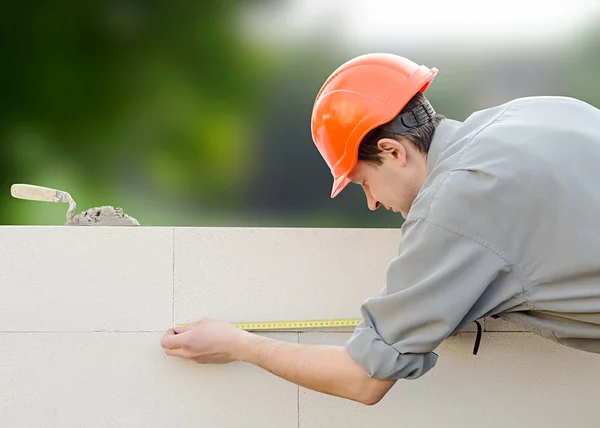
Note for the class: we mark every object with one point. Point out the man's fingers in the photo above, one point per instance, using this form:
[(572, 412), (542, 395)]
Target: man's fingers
[(177, 352), (172, 341)]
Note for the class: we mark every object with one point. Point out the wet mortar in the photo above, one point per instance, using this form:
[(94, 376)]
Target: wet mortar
[(103, 216)]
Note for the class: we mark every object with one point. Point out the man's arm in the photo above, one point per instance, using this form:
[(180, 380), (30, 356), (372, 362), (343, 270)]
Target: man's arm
[(323, 368)]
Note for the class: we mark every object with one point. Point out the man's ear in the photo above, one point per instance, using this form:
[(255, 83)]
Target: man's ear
[(393, 148)]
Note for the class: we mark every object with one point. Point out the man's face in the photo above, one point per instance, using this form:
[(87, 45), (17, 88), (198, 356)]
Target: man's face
[(396, 182)]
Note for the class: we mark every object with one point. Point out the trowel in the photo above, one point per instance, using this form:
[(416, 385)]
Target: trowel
[(44, 194), (98, 216)]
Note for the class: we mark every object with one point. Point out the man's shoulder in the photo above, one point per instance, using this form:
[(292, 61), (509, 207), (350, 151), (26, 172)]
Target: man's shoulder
[(520, 110), (510, 136), (490, 167), (534, 113)]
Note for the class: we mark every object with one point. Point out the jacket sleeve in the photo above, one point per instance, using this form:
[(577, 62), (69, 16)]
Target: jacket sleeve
[(430, 287)]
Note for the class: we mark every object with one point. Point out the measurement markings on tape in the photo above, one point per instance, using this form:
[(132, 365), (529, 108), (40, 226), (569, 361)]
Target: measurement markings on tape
[(294, 324)]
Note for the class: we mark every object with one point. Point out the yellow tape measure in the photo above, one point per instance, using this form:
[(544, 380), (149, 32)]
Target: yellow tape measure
[(295, 324)]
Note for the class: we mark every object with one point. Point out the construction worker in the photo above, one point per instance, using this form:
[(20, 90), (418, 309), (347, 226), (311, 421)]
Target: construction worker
[(502, 218)]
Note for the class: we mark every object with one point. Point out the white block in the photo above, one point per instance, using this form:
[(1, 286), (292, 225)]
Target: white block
[(256, 274), (124, 380), (86, 278), (516, 380)]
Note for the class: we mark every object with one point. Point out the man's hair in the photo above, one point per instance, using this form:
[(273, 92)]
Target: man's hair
[(419, 136)]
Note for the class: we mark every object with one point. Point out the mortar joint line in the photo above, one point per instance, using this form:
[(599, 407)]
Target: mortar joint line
[(298, 393), (173, 276)]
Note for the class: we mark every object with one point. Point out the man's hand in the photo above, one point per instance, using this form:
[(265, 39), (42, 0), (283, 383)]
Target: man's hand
[(206, 341), (322, 368)]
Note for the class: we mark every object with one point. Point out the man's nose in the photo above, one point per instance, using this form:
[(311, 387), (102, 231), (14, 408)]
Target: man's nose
[(371, 202), (374, 206)]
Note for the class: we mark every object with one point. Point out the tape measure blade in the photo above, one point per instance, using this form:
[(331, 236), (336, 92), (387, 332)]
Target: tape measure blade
[(298, 325), (294, 325)]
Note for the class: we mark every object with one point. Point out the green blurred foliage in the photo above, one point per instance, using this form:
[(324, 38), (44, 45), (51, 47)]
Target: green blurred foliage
[(124, 100), (173, 112)]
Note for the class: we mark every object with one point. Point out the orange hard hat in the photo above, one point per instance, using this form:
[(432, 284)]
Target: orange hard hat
[(360, 95)]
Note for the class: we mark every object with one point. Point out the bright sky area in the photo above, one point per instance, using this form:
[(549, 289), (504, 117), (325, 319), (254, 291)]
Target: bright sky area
[(365, 22)]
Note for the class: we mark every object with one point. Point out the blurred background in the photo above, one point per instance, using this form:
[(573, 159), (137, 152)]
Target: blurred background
[(197, 113)]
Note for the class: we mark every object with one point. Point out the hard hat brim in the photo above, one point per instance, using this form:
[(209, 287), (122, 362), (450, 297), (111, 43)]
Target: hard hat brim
[(338, 185)]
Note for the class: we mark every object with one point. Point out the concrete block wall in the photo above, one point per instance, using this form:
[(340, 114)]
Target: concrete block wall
[(83, 309)]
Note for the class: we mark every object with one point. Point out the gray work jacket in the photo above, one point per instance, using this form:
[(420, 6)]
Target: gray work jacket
[(507, 223)]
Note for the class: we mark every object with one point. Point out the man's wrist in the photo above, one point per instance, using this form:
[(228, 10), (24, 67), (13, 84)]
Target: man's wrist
[(244, 348)]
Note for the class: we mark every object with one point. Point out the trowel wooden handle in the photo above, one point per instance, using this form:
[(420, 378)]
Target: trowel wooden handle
[(35, 193)]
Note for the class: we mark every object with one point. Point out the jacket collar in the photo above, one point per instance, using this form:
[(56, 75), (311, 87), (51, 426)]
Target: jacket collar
[(442, 133)]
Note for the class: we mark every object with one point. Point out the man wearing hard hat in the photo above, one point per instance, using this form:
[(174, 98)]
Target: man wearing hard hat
[(502, 218)]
